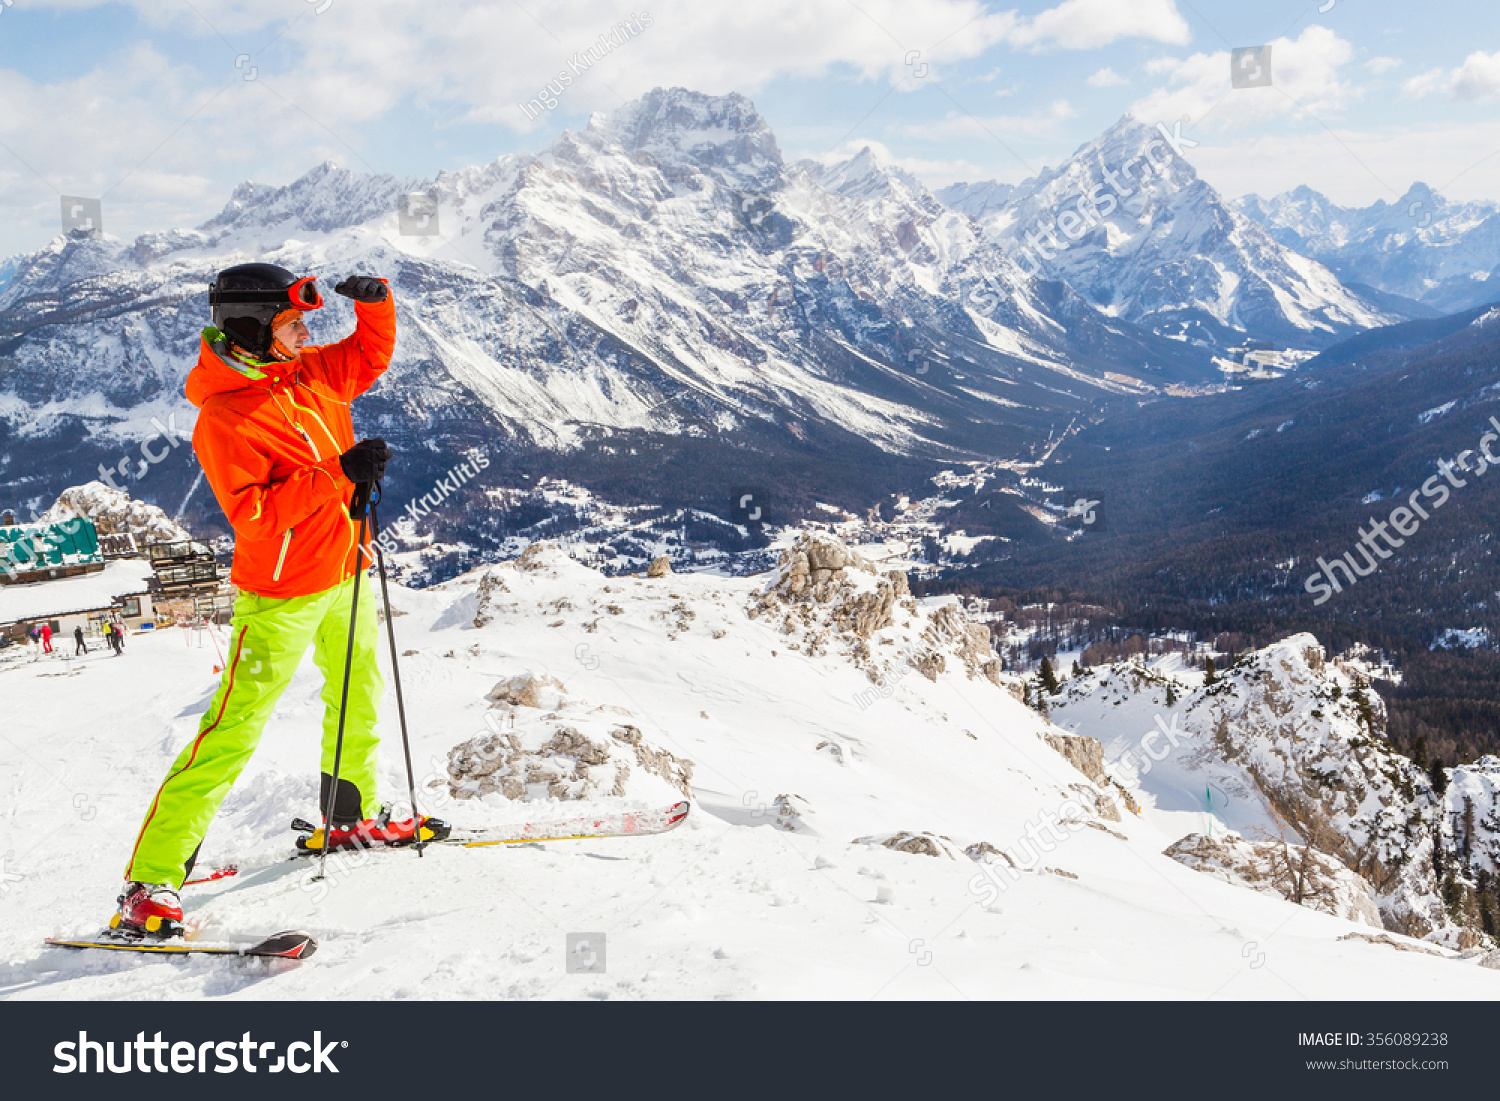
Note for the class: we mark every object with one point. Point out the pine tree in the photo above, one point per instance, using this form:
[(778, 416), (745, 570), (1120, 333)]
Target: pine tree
[(1171, 695), (1419, 752), (1438, 774), (1210, 676), (1049, 678)]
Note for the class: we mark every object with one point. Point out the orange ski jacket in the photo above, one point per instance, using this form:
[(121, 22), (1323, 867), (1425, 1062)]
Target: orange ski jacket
[(269, 437)]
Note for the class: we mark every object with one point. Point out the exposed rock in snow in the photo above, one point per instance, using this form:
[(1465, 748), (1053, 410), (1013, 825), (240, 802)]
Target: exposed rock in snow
[(537, 690), (115, 511), (822, 592), (1298, 873), (1392, 942), (543, 744), (917, 844), (1087, 756)]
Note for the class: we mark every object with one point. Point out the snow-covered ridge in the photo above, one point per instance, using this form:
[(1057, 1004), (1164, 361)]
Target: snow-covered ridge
[(1286, 745)]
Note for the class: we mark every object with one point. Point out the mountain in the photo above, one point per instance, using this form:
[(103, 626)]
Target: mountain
[(1127, 222), (863, 792), (659, 284), (1289, 745), (1424, 247)]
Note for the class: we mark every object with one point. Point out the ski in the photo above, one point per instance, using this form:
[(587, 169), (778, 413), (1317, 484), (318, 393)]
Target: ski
[(288, 946), (627, 824)]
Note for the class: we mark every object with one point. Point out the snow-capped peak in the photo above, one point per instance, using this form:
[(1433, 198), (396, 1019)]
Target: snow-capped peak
[(1128, 223), (723, 136)]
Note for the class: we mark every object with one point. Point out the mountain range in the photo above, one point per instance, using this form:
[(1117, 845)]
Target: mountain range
[(1128, 223), (660, 282), (662, 308), (1444, 255)]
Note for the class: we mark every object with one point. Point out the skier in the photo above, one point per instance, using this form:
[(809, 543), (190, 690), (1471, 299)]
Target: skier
[(78, 643), (119, 624), (46, 630), (277, 445)]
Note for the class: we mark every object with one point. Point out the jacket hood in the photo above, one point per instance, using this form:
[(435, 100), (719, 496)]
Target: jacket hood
[(219, 371)]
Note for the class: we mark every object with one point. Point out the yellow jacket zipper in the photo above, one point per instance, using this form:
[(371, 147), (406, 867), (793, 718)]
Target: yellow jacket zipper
[(286, 541)]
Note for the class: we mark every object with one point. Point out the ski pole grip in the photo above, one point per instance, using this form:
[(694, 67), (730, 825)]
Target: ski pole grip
[(360, 502)]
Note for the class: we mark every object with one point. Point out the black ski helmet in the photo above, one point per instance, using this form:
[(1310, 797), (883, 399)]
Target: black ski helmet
[(247, 297)]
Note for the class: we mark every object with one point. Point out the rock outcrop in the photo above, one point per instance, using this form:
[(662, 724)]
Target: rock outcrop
[(541, 744), (115, 512), (1298, 873), (824, 593), (1087, 756)]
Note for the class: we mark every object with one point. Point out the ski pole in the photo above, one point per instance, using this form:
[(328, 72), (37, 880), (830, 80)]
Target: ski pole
[(390, 630), (359, 506)]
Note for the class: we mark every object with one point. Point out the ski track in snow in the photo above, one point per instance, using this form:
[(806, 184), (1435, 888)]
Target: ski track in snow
[(727, 906)]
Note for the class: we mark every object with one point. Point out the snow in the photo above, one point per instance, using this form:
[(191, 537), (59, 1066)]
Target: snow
[(1433, 414), (1461, 638), (763, 893)]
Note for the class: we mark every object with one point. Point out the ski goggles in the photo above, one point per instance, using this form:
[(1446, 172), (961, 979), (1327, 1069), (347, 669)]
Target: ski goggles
[(301, 295)]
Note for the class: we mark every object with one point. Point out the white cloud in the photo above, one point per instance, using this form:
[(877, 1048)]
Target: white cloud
[(956, 124), (1306, 72), (1477, 78), (1089, 24), (1424, 84), (1354, 167), (1381, 65), (1106, 78)]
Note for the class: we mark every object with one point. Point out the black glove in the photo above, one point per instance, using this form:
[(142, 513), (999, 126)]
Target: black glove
[(363, 288), (365, 461)]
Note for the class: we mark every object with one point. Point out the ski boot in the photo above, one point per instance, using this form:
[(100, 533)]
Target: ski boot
[(148, 910), (370, 832)]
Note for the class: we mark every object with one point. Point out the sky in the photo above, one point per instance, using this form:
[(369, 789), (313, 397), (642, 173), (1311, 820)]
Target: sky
[(159, 108)]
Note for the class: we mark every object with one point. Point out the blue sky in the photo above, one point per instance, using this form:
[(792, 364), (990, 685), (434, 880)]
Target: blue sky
[(148, 103)]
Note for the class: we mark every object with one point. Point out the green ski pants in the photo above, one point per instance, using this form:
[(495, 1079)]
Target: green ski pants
[(268, 638)]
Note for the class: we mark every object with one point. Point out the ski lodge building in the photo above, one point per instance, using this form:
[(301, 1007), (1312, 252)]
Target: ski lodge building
[(57, 573)]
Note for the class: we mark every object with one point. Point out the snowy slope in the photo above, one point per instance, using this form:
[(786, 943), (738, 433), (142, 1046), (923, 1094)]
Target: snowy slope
[(778, 885)]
